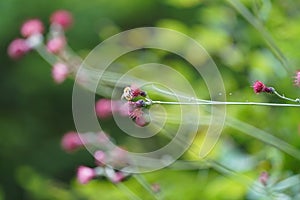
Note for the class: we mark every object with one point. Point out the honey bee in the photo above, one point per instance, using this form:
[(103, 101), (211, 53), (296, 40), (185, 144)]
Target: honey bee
[(127, 94)]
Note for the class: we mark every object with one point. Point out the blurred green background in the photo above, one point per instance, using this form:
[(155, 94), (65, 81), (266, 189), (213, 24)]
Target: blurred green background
[(35, 112)]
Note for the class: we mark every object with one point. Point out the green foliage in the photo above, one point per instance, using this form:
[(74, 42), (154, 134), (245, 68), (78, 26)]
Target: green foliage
[(248, 40)]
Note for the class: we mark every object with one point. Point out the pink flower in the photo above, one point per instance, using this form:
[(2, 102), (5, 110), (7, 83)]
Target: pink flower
[(71, 141), (55, 45), (297, 79), (117, 177), (31, 27), (100, 157), (141, 121), (263, 178), (85, 174), (259, 87), (17, 48), (59, 72), (137, 92), (62, 18), (103, 108), (155, 187), (138, 116)]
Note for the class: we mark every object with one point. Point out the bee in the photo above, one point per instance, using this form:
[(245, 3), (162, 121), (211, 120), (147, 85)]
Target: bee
[(127, 94)]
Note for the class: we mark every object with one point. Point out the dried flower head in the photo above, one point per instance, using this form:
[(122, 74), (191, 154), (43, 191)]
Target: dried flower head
[(259, 87)]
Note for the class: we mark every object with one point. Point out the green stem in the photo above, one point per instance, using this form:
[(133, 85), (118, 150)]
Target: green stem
[(297, 100), (228, 103)]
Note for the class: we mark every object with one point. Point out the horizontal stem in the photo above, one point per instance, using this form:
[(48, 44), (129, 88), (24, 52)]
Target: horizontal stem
[(224, 103)]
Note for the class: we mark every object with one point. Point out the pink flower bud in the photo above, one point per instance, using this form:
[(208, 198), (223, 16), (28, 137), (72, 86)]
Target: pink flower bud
[(55, 45), (155, 187), (141, 121), (259, 87), (263, 178), (85, 174), (117, 177), (100, 158), (62, 18), (31, 27), (71, 141), (103, 108), (138, 116), (17, 48), (297, 79), (59, 72)]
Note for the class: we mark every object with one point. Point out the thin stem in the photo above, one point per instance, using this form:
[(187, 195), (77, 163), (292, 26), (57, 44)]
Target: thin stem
[(177, 95), (195, 101), (297, 100), (225, 103), (41, 50)]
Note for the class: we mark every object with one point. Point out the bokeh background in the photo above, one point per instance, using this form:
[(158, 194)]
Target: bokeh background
[(36, 112)]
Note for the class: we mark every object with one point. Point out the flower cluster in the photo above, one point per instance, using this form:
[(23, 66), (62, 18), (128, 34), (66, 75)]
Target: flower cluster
[(138, 105), (109, 159), (32, 31)]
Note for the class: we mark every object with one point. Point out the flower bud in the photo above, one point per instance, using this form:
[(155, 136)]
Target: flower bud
[(31, 27)]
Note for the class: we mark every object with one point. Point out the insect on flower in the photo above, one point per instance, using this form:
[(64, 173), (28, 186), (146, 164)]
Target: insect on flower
[(127, 94)]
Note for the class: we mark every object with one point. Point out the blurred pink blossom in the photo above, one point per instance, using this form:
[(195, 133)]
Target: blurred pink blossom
[(59, 72), (263, 178), (71, 141), (55, 45), (117, 177), (85, 174), (104, 108), (100, 158), (18, 48), (63, 18), (297, 79), (31, 27)]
